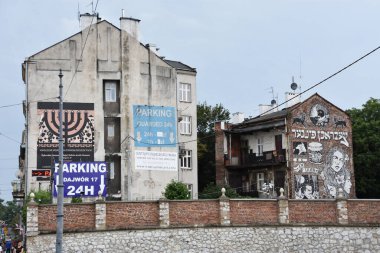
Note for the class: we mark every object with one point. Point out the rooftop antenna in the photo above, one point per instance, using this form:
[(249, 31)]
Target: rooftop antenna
[(122, 13)]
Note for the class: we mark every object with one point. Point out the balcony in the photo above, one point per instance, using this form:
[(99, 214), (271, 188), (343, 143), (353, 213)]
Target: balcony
[(253, 160)]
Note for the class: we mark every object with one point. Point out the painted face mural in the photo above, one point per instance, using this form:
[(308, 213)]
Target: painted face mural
[(336, 176), (306, 187), (319, 115)]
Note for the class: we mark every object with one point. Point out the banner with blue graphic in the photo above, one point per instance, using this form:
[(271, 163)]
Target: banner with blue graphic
[(82, 179), (154, 126)]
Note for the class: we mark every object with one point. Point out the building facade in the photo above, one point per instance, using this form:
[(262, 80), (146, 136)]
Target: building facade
[(305, 149), (123, 104)]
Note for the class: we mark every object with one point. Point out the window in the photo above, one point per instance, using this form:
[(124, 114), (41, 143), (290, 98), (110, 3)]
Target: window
[(186, 159), (184, 92), (110, 91), (190, 189), (111, 130), (185, 125), (112, 170), (260, 146), (260, 181)]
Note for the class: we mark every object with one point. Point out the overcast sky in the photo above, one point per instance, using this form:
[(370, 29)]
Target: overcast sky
[(240, 48)]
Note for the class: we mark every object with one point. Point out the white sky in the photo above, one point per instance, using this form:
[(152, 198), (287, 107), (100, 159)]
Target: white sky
[(240, 49)]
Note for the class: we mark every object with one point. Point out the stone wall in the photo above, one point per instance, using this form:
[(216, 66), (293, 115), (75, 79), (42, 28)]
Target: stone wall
[(227, 239), (209, 225)]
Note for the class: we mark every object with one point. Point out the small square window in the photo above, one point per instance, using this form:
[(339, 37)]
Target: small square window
[(186, 159), (110, 91)]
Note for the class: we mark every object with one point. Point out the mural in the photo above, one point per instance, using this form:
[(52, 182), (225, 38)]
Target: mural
[(335, 174), (78, 133), (299, 119), (320, 157), (319, 115), (315, 152), (306, 187)]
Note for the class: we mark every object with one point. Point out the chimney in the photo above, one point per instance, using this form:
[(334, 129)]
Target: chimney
[(290, 95), (267, 109), (237, 117), (131, 26), (88, 19)]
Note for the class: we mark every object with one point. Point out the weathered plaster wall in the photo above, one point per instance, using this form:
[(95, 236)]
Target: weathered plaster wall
[(231, 239)]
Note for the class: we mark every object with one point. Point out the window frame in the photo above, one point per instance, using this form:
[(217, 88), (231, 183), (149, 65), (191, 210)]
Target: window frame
[(185, 125), (110, 91), (260, 181), (185, 92), (260, 146), (186, 159)]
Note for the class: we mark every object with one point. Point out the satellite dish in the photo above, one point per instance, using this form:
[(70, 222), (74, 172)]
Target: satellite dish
[(293, 86), (273, 102)]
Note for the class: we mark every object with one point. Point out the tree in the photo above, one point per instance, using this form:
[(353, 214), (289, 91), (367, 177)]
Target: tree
[(207, 115), (176, 190), (212, 191), (366, 148), (9, 212)]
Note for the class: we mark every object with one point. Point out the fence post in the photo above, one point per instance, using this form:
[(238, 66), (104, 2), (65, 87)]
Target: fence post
[(283, 207), (341, 206), (100, 214), (32, 217), (163, 204), (224, 209)]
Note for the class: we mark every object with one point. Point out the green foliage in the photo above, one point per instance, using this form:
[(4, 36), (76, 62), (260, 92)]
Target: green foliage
[(42, 197), (366, 148), (212, 191), (176, 190), (9, 212), (207, 115), (76, 200)]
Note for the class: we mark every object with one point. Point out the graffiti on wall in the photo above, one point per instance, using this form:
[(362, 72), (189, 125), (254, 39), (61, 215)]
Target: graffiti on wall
[(320, 156), (306, 187), (78, 133), (319, 115), (335, 174)]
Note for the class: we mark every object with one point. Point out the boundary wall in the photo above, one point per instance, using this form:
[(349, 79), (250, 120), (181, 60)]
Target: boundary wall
[(285, 225)]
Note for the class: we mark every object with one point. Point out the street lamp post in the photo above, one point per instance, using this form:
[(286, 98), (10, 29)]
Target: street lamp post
[(58, 245)]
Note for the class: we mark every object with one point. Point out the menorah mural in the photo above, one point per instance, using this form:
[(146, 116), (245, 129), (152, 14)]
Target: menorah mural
[(78, 132), (77, 127)]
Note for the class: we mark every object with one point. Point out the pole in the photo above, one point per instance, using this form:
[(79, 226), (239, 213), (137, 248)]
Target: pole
[(58, 245)]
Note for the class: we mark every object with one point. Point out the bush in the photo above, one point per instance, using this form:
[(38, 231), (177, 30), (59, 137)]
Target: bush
[(176, 190), (212, 191), (76, 200)]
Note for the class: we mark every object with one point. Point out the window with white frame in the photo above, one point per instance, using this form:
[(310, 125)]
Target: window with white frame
[(186, 159), (185, 125), (110, 91), (185, 92), (260, 181), (260, 146)]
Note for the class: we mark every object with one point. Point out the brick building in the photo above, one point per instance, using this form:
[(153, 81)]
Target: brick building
[(305, 148), (123, 104)]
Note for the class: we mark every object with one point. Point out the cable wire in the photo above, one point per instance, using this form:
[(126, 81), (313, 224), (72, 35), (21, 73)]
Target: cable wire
[(81, 54), (324, 80)]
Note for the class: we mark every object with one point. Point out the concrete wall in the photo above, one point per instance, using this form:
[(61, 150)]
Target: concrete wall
[(103, 52)]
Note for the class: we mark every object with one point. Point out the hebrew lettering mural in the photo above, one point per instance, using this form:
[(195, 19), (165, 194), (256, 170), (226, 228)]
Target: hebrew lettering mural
[(321, 155)]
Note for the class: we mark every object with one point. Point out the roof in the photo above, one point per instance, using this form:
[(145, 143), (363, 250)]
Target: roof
[(180, 66)]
